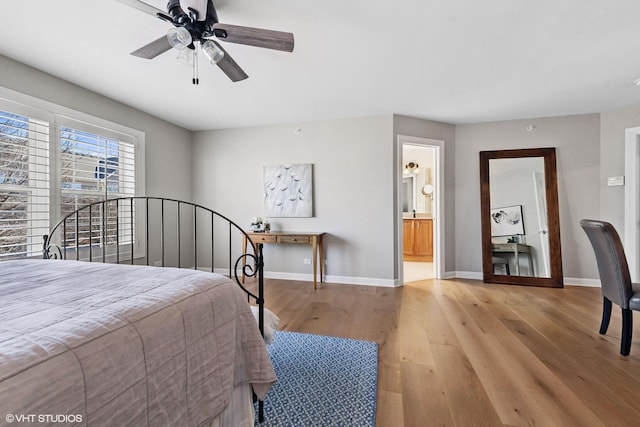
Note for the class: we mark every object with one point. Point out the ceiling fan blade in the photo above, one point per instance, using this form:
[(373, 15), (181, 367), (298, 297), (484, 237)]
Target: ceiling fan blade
[(144, 7), (258, 37), (153, 49), (229, 66)]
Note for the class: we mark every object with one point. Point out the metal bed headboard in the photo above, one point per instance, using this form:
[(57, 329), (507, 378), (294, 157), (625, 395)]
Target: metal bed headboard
[(130, 229)]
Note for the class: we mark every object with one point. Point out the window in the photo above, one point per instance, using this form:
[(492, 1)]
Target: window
[(52, 164), (95, 167)]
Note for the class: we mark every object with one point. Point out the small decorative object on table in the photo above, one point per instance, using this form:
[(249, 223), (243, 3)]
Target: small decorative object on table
[(267, 226), (256, 224), (516, 239)]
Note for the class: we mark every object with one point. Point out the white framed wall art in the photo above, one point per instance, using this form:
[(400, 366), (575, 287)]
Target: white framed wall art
[(288, 190)]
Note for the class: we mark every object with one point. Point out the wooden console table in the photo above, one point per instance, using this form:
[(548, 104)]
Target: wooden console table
[(516, 249), (313, 239)]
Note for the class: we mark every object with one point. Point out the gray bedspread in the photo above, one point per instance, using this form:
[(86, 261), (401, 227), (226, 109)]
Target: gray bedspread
[(124, 345)]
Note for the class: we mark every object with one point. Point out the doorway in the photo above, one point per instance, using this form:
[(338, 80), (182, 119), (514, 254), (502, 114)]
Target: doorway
[(419, 183)]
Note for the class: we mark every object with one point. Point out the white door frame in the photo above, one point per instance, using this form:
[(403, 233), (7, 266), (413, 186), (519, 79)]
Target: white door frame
[(632, 200), (438, 215)]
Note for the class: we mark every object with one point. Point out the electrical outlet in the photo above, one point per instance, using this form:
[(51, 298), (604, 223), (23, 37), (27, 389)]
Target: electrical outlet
[(306, 261), (157, 263)]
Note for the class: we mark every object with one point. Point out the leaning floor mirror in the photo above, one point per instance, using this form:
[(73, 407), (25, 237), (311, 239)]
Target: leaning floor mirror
[(520, 219)]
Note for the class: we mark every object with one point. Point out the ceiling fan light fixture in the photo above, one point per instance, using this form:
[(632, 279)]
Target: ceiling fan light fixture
[(179, 37), (185, 57), (213, 53)]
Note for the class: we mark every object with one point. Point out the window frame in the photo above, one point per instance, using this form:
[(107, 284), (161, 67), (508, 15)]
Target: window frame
[(58, 117)]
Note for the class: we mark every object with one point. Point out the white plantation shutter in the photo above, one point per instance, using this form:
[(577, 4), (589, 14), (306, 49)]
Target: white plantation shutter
[(93, 168), (24, 184), (96, 167)]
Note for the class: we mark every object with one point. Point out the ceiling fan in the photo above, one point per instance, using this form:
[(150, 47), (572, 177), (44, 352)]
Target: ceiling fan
[(195, 26)]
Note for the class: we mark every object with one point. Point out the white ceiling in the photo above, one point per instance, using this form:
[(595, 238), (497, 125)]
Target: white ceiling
[(456, 61)]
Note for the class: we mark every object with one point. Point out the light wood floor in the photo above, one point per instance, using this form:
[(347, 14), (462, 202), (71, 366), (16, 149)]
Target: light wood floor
[(465, 353)]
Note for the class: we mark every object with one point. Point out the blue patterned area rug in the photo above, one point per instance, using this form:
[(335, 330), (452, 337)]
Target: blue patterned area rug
[(322, 381)]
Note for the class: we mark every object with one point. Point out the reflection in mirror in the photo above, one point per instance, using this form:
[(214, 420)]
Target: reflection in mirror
[(417, 182), (408, 193), (519, 215), (520, 231)]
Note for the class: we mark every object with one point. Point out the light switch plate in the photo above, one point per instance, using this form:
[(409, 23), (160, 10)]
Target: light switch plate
[(613, 181)]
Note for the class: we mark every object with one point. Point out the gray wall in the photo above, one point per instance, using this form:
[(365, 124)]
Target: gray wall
[(353, 191), (577, 143), (168, 147), (612, 140)]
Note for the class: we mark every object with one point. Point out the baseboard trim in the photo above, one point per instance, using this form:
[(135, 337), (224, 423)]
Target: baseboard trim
[(365, 281), (571, 281), (472, 275), (449, 275), (344, 280), (392, 283)]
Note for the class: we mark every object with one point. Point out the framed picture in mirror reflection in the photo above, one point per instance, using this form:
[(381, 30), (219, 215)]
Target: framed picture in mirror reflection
[(507, 221)]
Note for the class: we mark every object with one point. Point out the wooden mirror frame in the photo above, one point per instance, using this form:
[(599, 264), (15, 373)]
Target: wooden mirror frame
[(553, 218)]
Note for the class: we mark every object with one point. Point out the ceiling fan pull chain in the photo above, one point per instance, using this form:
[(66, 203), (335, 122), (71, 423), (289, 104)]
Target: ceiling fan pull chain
[(196, 80)]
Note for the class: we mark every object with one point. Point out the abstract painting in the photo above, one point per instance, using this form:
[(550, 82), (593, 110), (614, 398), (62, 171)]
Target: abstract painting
[(288, 190)]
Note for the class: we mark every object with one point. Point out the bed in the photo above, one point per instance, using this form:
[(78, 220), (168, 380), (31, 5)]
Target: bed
[(122, 342)]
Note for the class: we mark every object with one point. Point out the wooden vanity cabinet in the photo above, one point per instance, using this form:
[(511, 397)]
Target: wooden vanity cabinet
[(418, 239)]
